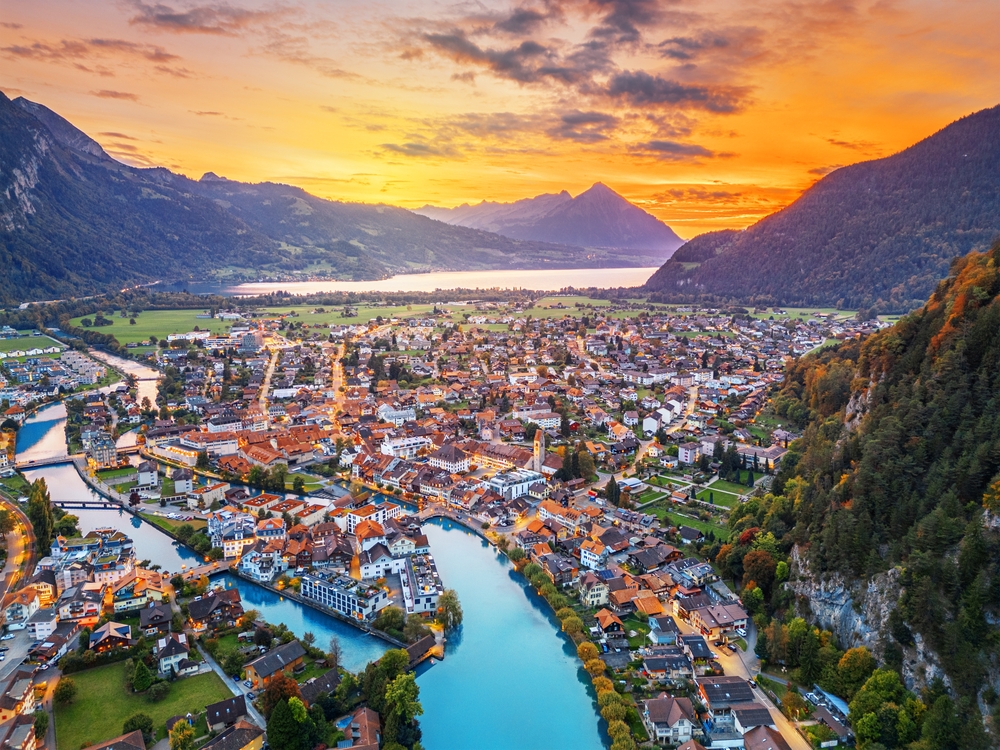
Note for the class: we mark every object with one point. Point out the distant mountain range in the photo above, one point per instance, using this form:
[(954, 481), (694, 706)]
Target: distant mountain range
[(876, 234), (74, 221), (597, 217)]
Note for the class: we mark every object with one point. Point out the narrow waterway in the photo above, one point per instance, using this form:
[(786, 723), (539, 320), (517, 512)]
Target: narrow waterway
[(509, 679)]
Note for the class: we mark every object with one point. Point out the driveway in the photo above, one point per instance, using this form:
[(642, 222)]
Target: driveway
[(237, 688)]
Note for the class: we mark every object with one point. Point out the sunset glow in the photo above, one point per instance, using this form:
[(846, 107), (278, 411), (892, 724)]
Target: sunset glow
[(708, 114)]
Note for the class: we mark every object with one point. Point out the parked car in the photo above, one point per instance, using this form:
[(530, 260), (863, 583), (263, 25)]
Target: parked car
[(732, 647), (741, 632), (8, 637), (248, 683)]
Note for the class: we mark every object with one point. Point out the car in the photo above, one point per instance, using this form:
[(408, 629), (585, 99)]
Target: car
[(741, 632), (8, 637), (44, 667), (751, 684), (4, 648), (248, 683), (732, 647), (251, 696), (717, 644)]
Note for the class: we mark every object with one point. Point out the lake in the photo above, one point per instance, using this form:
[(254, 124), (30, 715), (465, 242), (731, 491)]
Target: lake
[(535, 280)]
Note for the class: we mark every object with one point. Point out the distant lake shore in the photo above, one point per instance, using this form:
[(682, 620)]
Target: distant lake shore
[(533, 279)]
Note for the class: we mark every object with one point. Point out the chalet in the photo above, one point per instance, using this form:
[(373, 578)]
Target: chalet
[(219, 608), (109, 636), (155, 619), (668, 719), (225, 713), (283, 658), (241, 736)]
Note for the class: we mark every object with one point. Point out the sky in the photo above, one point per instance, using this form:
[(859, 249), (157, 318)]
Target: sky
[(709, 114)]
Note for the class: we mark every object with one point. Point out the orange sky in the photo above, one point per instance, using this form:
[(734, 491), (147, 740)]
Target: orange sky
[(708, 114)]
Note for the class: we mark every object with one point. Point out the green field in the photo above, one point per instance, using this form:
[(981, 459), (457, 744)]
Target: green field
[(172, 525), (158, 323), (678, 519), (732, 488), (719, 497), (102, 705), (803, 313), (28, 342)]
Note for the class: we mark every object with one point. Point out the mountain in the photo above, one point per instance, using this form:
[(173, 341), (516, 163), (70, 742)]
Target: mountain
[(891, 500), (74, 221), (876, 234), (597, 217)]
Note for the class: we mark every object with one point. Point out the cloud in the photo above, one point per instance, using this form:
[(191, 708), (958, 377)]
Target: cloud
[(209, 113), (625, 18), (527, 62), (296, 49), (120, 136), (218, 18), (83, 53), (108, 94), (151, 52), (521, 21), (642, 89), (853, 145), (9, 25), (675, 150), (417, 149), (823, 171), (584, 127)]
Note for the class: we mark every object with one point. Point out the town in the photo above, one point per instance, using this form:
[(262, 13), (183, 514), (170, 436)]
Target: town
[(601, 447)]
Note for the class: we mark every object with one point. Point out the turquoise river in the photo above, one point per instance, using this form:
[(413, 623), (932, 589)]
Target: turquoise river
[(509, 681)]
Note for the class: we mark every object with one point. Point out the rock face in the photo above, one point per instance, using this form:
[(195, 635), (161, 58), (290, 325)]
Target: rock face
[(857, 613)]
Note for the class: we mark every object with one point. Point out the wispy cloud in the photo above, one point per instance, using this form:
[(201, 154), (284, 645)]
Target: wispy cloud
[(218, 18), (109, 94)]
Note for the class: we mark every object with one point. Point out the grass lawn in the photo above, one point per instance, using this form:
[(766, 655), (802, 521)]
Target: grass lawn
[(28, 342), (171, 525), (778, 688), (639, 627), (649, 496), (732, 488), (718, 497), (159, 323), (679, 519), (16, 485), (102, 705), (104, 476)]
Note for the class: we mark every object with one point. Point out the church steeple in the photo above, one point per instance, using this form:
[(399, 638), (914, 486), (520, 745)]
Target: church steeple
[(539, 450)]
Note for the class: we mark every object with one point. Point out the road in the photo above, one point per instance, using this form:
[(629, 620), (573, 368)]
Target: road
[(237, 688), (20, 547), (265, 387)]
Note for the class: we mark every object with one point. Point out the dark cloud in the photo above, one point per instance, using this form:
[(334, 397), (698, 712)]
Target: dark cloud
[(218, 18), (522, 21), (417, 149), (853, 145), (823, 171), (9, 25), (687, 48), (120, 136), (644, 89), (676, 151), (467, 76), (625, 19), (153, 52), (108, 94), (584, 127), (527, 62)]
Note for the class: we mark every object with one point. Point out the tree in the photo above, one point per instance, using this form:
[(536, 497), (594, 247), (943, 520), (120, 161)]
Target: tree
[(283, 732), (449, 610), (6, 522), (41, 724), (389, 619), (39, 512), (402, 704), (158, 691), (516, 555), (182, 736), (793, 706), (281, 688), (142, 722), (759, 566), (65, 691), (142, 678), (587, 651), (595, 668), (299, 485), (335, 654), (231, 661), (853, 670), (202, 461)]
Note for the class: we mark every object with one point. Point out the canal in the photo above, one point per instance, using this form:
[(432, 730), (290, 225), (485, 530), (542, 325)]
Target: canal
[(509, 679)]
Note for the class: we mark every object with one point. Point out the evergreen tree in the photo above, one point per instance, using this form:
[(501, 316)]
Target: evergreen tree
[(283, 732), (39, 512)]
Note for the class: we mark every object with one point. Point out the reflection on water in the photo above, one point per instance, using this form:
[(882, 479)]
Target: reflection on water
[(581, 278), (510, 679), (43, 434)]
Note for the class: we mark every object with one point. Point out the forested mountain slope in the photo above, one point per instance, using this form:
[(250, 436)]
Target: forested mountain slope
[(899, 471), (876, 234)]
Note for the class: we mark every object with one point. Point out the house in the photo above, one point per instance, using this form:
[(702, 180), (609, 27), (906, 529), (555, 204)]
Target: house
[(668, 719), (183, 481), (314, 687), (155, 619), (765, 738), (19, 734), (20, 606), (109, 636), (747, 716), (136, 589), (241, 736), (593, 554), (593, 590), (364, 732), (148, 476), (377, 562), (663, 631), (171, 650), (130, 741), (450, 458), (219, 608), (225, 713), (284, 658), (689, 453), (718, 621), (721, 693), (608, 622), (18, 698)]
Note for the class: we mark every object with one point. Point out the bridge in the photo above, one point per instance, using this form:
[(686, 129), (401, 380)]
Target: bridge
[(56, 459), (88, 504)]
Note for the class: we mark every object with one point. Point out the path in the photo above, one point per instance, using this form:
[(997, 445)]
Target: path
[(265, 387), (236, 687), (20, 548)]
